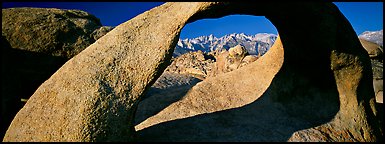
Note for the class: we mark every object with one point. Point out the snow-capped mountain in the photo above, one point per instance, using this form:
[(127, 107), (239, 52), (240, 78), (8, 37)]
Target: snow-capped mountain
[(254, 44), (373, 36)]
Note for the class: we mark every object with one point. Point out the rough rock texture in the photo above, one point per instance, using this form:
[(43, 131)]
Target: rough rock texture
[(233, 59), (36, 42), (49, 31), (379, 96), (197, 64), (169, 80), (170, 87), (378, 69), (375, 51), (98, 33), (93, 96), (22, 72), (229, 90), (247, 60), (325, 97)]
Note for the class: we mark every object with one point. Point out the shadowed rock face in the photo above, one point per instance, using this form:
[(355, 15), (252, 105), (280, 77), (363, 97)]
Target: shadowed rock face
[(325, 83), (22, 72), (36, 42)]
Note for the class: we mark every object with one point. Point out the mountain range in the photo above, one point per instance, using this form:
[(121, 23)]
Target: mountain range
[(373, 36), (255, 44)]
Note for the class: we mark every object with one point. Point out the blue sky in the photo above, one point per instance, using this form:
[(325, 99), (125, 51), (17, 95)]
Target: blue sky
[(362, 15)]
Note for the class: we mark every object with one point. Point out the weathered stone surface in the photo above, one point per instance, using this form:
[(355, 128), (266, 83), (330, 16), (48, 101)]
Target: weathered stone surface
[(380, 97), (169, 80), (22, 72), (248, 59), (227, 61), (42, 41), (326, 97), (375, 51), (234, 59), (93, 96), (98, 33), (303, 93), (200, 65), (378, 69), (197, 64), (229, 90), (220, 63), (50, 31), (168, 88)]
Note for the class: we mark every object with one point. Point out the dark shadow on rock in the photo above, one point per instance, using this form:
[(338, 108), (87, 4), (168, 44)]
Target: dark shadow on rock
[(22, 72), (380, 115), (156, 99), (266, 119), (302, 95)]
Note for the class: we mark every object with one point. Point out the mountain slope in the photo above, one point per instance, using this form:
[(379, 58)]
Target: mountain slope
[(373, 36), (255, 44)]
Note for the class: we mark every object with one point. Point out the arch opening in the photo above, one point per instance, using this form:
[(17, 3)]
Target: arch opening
[(203, 55), (300, 108), (312, 81)]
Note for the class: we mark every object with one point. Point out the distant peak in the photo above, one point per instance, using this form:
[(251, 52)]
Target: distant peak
[(373, 36)]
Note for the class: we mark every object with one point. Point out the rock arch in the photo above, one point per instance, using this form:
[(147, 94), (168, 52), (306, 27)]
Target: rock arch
[(94, 95)]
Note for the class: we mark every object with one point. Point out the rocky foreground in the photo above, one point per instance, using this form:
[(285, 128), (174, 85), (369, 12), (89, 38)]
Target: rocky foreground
[(167, 115), (36, 42), (116, 90)]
